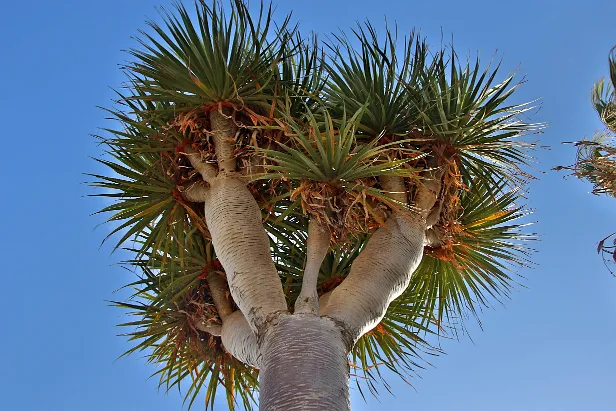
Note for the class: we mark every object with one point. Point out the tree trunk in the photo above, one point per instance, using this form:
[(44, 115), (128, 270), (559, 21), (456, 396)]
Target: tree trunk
[(234, 219), (305, 366)]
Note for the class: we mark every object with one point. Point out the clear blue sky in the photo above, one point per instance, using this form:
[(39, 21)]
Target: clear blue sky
[(550, 348)]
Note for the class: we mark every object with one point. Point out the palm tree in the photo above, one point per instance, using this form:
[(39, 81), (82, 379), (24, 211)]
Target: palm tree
[(596, 157), (299, 212)]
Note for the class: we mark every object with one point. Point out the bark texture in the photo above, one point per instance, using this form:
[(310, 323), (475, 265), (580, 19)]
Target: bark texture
[(233, 218), (224, 131), (317, 246), (394, 187), (243, 248), (305, 366), (240, 341), (380, 273), (218, 290)]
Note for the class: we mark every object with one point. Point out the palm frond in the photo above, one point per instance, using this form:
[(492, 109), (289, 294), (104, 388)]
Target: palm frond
[(474, 263), (603, 95), (596, 162), (214, 58), (326, 153), (465, 108), (301, 75), (337, 175), (375, 79)]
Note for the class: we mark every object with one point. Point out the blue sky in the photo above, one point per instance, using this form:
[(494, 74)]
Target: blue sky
[(549, 348)]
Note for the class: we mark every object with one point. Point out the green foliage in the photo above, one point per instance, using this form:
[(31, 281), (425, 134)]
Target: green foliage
[(377, 80), (211, 59), (596, 157), (325, 125), (603, 95), (337, 157)]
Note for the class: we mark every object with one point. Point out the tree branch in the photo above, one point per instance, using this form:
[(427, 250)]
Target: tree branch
[(379, 274), (242, 246), (395, 188), (207, 171), (219, 291), (383, 270), (428, 192), (317, 246), (434, 238), (195, 193), (213, 329), (323, 300), (224, 132), (240, 341)]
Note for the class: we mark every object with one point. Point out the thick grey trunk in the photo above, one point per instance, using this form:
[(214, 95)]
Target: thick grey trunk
[(304, 366)]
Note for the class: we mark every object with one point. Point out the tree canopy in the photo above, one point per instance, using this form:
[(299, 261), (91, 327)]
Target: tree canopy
[(596, 156), (320, 126)]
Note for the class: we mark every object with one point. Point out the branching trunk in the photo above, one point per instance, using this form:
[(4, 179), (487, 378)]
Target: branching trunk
[(382, 271), (233, 219), (305, 366), (317, 246), (379, 274), (302, 357)]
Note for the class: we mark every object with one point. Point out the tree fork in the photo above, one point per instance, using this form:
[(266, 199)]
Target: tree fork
[(383, 270), (242, 246)]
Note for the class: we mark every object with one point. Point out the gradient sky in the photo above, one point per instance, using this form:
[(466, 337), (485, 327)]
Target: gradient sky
[(551, 347)]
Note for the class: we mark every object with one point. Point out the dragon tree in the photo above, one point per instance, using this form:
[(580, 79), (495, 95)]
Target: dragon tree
[(299, 213)]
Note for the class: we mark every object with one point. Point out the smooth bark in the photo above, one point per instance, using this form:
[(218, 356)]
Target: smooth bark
[(379, 274), (382, 271), (305, 366), (317, 246), (224, 132), (234, 221), (233, 218), (395, 188), (219, 292)]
